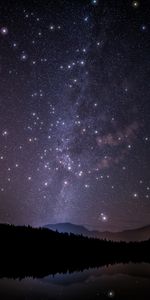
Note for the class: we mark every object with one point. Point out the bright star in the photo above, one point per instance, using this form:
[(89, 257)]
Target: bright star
[(4, 30), (135, 4), (5, 133), (95, 2)]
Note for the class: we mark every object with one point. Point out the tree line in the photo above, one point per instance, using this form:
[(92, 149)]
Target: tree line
[(37, 252)]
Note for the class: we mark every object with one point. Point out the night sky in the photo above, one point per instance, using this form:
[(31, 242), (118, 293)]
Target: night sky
[(74, 112)]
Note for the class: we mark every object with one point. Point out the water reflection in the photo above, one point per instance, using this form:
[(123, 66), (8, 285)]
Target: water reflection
[(129, 281)]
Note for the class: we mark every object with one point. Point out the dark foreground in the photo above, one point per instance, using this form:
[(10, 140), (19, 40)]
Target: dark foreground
[(118, 282), (32, 252)]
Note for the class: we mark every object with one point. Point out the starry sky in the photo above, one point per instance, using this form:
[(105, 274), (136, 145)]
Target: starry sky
[(74, 112)]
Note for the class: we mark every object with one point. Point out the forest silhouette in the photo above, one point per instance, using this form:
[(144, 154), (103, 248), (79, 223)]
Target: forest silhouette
[(38, 252)]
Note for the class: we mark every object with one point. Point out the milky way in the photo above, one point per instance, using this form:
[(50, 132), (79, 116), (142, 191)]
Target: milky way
[(74, 113)]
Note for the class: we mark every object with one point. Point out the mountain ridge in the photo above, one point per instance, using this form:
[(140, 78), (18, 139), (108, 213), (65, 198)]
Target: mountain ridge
[(137, 234)]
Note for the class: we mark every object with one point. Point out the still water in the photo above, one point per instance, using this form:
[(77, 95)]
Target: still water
[(129, 281)]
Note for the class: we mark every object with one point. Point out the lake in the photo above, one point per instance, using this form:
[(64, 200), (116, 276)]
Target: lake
[(120, 281)]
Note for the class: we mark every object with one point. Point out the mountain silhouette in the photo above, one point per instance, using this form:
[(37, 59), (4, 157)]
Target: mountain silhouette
[(138, 234), (69, 228)]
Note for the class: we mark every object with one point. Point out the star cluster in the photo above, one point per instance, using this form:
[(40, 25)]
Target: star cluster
[(74, 117)]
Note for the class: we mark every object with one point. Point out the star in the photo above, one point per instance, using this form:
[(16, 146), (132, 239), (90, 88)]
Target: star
[(135, 195), (5, 133), (86, 186), (82, 62), (103, 217), (51, 27), (86, 19), (80, 173), (135, 4), (4, 30), (24, 57), (14, 45), (65, 182), (111, 294), (94, 2), (143, 27)]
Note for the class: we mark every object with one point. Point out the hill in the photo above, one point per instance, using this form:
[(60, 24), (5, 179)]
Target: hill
[(69, 228)]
